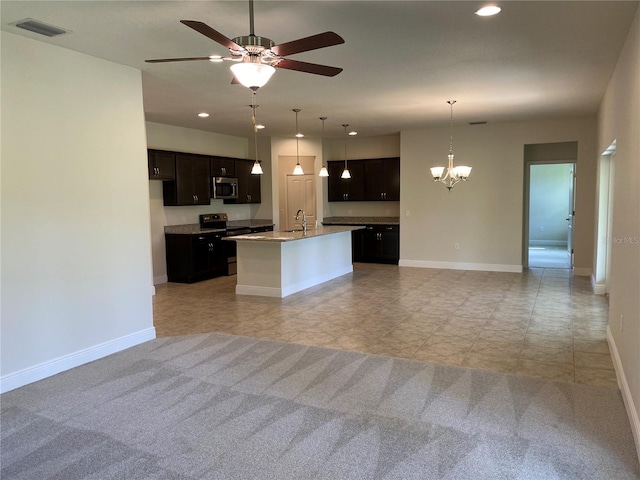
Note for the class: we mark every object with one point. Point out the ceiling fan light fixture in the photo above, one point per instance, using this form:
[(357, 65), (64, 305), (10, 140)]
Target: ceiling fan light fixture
[(252, 75)]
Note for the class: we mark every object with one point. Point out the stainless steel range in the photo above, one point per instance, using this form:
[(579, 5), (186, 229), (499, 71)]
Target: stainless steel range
[(220, 221)]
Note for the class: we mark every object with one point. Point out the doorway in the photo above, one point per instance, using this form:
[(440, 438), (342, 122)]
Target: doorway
[(600, 281), (550, 214)]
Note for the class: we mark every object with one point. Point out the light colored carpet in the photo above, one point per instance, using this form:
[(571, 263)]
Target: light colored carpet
[(218, 406)]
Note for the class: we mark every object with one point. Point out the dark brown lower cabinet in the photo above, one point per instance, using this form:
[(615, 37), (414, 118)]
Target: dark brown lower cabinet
[(376, 244), (191, 258)]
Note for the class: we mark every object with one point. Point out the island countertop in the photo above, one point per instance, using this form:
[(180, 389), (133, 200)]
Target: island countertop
[(288, 236), (361, 221)]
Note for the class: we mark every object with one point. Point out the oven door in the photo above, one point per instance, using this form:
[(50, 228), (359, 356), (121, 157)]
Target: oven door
[(223, 188)]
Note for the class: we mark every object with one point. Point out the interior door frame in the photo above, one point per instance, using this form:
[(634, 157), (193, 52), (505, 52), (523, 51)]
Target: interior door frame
[(526, 203)]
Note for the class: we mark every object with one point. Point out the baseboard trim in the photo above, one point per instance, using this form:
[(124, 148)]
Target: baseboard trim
[(160, 279), (484, 267), (290, 289), (632, 412), (47, 369), (581, 272), (598, 288)]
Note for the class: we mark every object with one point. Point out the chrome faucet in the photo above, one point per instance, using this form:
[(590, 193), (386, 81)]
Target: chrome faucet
[(304, 220)]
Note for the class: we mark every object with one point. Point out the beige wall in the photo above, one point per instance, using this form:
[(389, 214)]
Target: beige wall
[(619, 120), (485, 215), (167, 137), (76, 268)]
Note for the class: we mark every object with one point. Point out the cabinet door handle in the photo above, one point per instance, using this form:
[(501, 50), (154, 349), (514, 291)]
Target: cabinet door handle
[(249, 198), (224, 171), (388, 228)]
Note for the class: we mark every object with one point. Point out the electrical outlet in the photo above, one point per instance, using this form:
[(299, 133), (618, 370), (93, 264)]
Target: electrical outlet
[(456, 246), (621, 323)]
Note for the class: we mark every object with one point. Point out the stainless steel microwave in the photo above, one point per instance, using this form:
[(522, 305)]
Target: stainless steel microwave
[(224, 187)]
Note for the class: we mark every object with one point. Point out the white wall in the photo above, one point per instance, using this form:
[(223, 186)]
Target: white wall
[(76, 268), (550, 186), (167, 137), (485, 214), (619, 120)]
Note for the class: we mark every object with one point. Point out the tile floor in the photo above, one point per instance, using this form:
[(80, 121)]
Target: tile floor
[(542, 322)]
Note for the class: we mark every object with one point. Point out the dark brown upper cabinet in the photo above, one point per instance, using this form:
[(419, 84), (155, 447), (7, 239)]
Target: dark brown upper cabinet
[(248, 184), (192, 185), (161, 165), (223, 167), (382, 179), (346, 190)]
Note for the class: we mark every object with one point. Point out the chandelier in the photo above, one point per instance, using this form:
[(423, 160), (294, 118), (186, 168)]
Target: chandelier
[(453, 174)]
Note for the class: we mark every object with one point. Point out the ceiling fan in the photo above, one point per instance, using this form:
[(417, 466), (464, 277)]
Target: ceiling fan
[(256, 56)]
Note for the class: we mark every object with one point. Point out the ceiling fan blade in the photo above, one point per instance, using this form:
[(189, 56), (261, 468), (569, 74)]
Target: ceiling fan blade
[(188, 59), (308, 67), (321, 40), (214, 35)]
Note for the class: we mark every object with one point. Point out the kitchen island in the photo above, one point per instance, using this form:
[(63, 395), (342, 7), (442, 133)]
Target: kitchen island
[(277, 264)]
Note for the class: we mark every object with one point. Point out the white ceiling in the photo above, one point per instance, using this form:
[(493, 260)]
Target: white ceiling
[(402, 60)]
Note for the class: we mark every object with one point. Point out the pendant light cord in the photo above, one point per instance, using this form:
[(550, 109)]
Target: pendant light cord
[(297, 139), (451, 102), (345, 125), (255, 123)]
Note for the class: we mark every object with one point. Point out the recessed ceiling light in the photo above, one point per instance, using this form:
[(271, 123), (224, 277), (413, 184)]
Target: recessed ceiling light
[(203, 115), (260, 127), (299, 135), (353, 133), (488, 11)]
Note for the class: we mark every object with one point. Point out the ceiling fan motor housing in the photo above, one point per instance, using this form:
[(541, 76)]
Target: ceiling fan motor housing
[(254, 43)]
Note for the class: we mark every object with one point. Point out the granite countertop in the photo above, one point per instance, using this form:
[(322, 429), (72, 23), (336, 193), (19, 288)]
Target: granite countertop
[(361, 221), (194, 228), (283, 236), (249, 223), (191, 229)]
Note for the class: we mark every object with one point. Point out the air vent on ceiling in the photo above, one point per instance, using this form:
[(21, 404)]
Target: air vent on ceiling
[(42, 28), (483, 122)]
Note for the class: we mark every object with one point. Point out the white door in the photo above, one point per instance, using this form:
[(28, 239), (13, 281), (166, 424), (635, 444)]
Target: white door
[(301, 194)]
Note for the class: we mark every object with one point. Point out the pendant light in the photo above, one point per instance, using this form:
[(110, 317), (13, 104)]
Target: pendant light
[(298, 168), (257, 168), (323, 171), (345, 173), (454, 174)]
